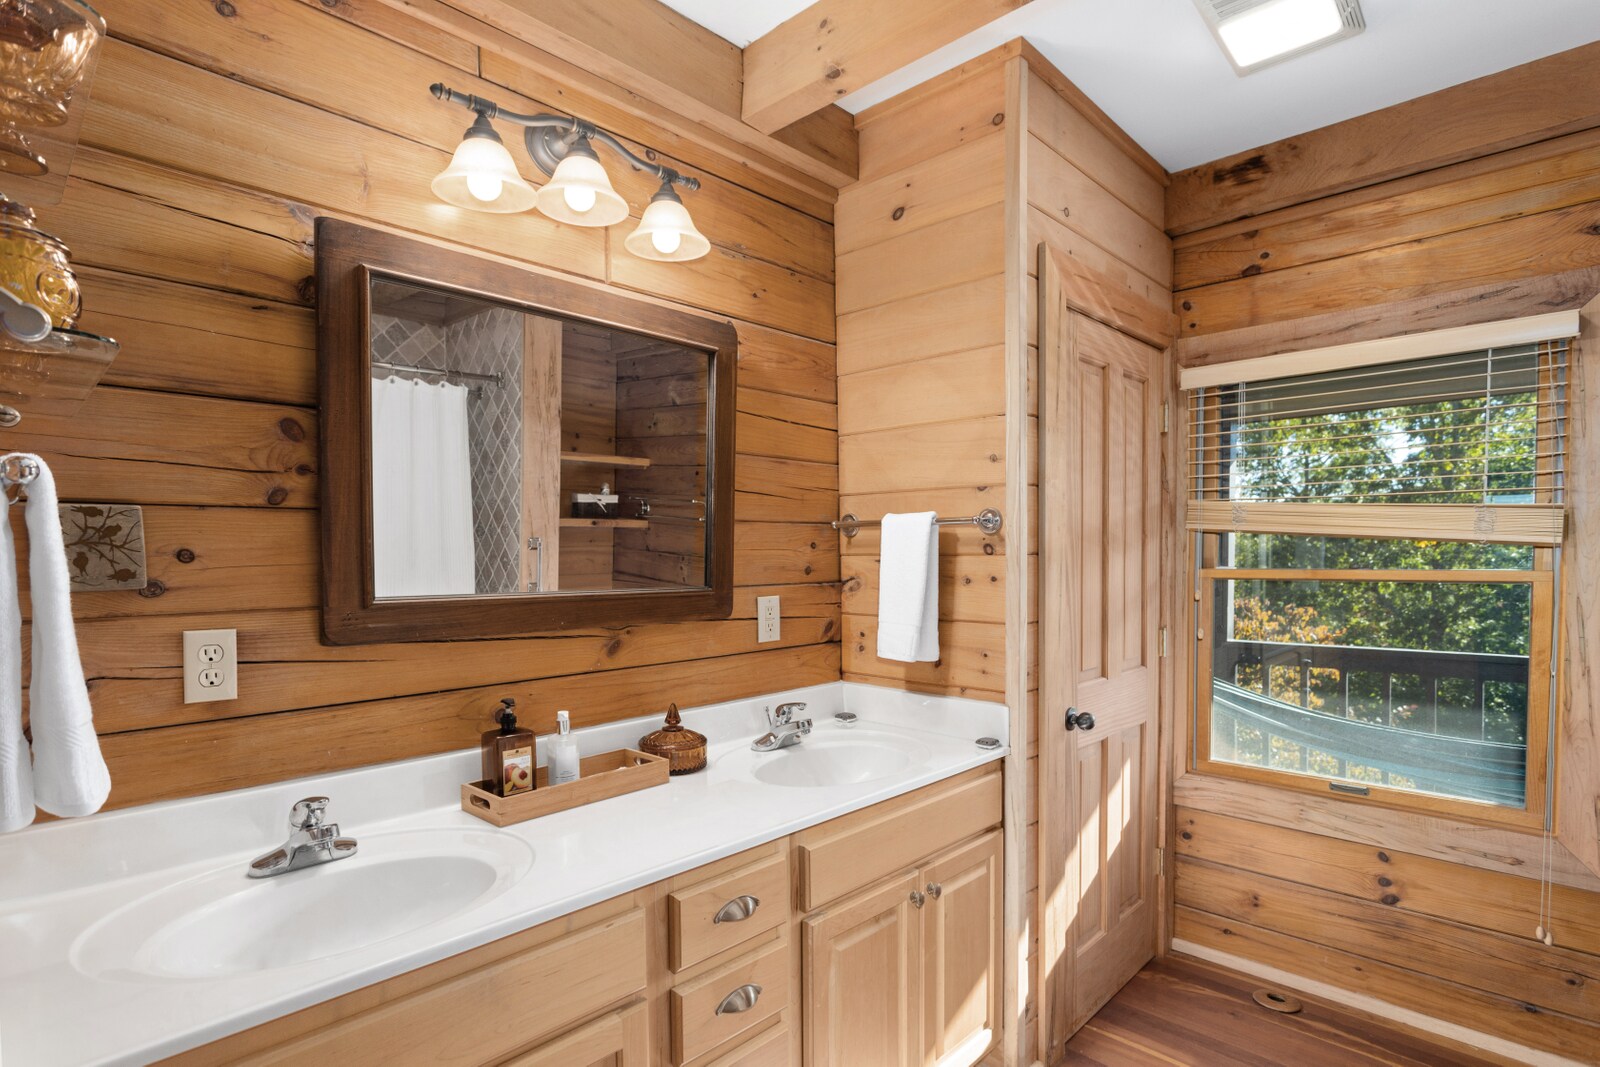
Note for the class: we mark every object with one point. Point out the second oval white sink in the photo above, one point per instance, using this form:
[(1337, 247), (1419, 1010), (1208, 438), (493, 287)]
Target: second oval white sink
[(222, 923), (852, 758)]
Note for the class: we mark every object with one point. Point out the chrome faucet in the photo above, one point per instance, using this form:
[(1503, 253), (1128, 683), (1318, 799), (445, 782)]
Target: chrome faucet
[(786, 729), (310, 842)]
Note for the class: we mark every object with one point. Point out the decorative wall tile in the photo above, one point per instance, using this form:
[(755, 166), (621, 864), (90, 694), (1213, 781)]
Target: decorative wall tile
[(105, 545)]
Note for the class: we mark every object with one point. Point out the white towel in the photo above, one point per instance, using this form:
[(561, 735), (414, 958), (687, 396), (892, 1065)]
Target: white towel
[(908, 589), (16, 768), (69, 774)]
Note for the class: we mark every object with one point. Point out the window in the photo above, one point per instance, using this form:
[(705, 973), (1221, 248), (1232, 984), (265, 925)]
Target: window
[(1376, 548)]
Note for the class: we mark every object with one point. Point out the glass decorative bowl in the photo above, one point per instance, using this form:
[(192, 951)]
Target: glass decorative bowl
[(34, 266)]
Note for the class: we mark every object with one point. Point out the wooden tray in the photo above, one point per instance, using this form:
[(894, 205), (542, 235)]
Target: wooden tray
[(601, 777)]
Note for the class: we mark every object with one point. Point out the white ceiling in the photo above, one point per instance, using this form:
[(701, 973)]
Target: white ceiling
[(1154, 67)]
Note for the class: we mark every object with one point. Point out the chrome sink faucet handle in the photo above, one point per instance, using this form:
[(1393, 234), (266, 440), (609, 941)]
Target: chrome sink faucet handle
[(786, 730), (308, 814), (312, 841), (785, 714)]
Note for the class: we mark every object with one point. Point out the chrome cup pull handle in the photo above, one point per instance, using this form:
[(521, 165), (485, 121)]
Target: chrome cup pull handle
[(737, 910), (742, 999)]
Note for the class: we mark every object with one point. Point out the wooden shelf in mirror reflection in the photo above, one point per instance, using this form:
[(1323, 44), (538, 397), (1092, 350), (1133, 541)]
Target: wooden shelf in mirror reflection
[(606, 524), (599, 459)]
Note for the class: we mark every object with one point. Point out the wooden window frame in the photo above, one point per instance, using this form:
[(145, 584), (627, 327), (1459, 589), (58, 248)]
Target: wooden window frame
[(1529, 817), (1515, 524)]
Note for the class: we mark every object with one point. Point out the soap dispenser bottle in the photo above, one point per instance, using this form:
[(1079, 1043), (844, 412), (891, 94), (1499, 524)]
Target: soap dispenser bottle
[(562, 758), (508, 754)]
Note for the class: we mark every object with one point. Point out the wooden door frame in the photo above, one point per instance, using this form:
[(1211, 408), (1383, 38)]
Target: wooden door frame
[(1066, 284)]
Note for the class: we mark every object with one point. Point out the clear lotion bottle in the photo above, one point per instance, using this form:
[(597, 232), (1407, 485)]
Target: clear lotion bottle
[(563, 759)]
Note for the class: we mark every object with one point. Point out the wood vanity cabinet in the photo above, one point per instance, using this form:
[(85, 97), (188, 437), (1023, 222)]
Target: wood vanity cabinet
[(818, 936), (902, 973)]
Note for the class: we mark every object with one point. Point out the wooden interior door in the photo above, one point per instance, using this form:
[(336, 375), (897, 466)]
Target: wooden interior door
[(1100, 597), (862, 966), (962, 969)]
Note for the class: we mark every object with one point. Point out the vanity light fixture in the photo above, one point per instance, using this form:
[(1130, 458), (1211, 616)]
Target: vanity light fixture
[(1259, 33), (482, 176)]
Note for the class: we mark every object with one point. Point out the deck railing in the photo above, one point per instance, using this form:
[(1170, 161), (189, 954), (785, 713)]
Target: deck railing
[(1399, 731)]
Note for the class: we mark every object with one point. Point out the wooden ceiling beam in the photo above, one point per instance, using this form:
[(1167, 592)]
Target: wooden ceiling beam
[(655, 54), (835, 47)]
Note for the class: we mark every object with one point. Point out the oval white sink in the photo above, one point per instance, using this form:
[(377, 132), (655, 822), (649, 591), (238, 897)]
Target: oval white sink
[(222, 923), (853, 759)]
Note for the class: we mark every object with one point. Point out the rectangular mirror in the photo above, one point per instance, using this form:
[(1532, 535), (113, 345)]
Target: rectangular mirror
[(509, 452)]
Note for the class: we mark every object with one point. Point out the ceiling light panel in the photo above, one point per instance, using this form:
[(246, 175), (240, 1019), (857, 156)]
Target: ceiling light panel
[(1259, 33)]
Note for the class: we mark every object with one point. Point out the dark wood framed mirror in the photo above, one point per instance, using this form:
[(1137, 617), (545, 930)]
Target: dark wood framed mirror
[(509, 452)]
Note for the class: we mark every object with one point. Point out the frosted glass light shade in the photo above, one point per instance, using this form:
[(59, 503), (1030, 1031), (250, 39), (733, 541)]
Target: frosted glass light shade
[(666, 232), (1271, 30), (482, 176), (579, 192)]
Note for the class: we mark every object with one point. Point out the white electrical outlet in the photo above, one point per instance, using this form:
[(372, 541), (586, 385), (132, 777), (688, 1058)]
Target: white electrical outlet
[(767, 616), (210, 665)]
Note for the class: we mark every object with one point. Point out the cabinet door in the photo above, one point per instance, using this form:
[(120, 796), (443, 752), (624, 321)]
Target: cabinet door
[(862, 964), (620, 1039), (961, 951)]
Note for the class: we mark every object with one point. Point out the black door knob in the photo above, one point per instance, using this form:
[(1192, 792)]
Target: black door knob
[(1079, 720)]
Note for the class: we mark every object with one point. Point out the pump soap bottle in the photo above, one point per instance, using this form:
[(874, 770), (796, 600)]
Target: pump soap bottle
[(562, 759), (508, 754)]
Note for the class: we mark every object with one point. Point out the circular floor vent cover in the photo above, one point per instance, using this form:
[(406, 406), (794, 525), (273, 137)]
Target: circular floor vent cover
[(1273, 1000)]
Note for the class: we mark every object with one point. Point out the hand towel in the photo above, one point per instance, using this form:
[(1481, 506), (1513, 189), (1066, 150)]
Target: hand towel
[(69, 774), (16, 767), (908, 588)]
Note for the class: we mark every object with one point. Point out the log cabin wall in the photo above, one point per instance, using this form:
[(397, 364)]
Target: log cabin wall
[(922, 398), (962, 179), (1407, 219), (217, 133)]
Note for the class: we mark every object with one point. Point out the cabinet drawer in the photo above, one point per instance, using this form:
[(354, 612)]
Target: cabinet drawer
[(485, 1015), (620, 1039), (771, 1049), (844, 855), (750, 901), (697, 1028)]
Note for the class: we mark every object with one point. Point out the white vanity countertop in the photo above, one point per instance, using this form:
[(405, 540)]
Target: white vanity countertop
[(64, 885)]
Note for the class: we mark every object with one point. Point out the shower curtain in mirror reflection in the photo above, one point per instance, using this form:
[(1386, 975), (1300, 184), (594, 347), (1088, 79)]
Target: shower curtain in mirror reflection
[(421, 489)]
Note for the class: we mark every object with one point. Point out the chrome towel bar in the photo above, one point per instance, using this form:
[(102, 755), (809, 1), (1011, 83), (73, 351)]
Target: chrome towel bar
[(988, 520)]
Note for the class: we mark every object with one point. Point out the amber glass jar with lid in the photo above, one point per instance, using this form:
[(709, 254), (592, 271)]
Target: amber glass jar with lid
[(685, 749), (34, 267)]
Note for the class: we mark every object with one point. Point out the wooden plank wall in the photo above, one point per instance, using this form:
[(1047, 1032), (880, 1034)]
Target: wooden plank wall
[(922, 403), (1435, 918), (216, 135)]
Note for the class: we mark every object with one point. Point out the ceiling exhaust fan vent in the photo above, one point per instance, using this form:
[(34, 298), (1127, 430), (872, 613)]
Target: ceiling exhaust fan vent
[(1255, 34)]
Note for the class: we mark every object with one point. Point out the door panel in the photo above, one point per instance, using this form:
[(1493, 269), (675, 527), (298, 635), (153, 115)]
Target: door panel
[(1099, 524), (862, 959), (962, 950)]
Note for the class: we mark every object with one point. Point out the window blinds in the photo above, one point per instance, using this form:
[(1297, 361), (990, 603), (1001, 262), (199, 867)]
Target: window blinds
[(1464, 445)]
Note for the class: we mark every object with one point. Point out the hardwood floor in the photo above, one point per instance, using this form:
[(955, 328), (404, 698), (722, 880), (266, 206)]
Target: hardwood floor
[(1182, 1013)]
